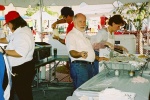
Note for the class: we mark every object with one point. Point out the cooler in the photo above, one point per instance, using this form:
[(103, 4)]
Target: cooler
[(128, 41)]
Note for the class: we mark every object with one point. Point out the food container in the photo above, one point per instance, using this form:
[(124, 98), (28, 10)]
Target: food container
[(117, 72), (131, 73), (55, 32)]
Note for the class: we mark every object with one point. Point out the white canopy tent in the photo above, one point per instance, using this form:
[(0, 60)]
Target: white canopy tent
[(95, 10), (46, 20), (25, 3), (45, 16), (41, 3)]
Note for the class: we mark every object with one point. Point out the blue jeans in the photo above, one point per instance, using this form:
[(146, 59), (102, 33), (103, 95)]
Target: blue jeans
[(80, 73), (96, 64)]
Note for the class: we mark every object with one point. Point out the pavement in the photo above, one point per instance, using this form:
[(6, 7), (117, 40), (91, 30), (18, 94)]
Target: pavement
[(53, 91), (58, 89)]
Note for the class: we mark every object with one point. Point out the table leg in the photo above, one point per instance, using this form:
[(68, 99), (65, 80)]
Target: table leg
[(37, 83), (52, 72)]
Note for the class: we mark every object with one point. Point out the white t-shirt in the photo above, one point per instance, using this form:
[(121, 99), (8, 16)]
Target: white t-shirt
[(76, 40), (22, 41), (103, 36)]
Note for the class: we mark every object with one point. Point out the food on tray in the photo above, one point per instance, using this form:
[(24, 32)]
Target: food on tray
[(130, 55), (142, 56)]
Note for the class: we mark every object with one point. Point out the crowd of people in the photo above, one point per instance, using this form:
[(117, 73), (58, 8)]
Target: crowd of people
[(83, 54), (83, 61)]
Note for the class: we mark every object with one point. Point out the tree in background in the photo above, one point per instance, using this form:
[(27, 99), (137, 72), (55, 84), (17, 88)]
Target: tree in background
[(136, 12), (30, 11)]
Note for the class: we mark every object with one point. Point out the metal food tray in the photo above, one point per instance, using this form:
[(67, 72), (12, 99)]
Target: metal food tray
[(124, 63)]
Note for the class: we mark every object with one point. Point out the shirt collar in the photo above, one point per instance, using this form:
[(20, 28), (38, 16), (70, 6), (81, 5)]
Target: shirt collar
[(79, 32)]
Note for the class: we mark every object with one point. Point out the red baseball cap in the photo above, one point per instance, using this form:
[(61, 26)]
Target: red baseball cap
[(11, 16), (2, 7)]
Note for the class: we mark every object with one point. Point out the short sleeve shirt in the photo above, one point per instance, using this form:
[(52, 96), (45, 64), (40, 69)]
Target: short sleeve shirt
[(22, 41), (77, 41)]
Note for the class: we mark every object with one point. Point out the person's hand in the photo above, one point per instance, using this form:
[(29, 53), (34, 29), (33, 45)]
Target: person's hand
[(84, 54), (53, 26), (103, 59), (2, 50), (56, 37), (102, 45)]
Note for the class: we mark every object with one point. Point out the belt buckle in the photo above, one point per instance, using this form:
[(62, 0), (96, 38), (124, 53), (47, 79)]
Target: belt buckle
[(91, 63)]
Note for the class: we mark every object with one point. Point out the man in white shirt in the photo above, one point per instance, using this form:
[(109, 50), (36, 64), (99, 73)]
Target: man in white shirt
[(81, 52)]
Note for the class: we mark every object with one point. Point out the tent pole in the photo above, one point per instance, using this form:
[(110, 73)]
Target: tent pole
[(41, 9)]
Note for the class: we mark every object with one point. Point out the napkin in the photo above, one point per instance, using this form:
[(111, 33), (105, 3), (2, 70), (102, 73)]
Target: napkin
[(83, 97), (139, 79), (114, 94), (72, 98)]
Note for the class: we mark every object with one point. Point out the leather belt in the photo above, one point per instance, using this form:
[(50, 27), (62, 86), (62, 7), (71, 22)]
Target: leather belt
[(84, 62)]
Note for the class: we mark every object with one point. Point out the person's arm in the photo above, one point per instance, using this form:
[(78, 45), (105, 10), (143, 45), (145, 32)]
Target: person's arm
[(53, 26), (59, 39), (101, 58), (76, 54), (97, 46), (108, 44), (12, 53), (121, 48), (98, 41), (3, 40)]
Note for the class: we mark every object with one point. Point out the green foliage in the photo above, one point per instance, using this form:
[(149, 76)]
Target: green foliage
[(30, 11), (51, 12), (136, 12)]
